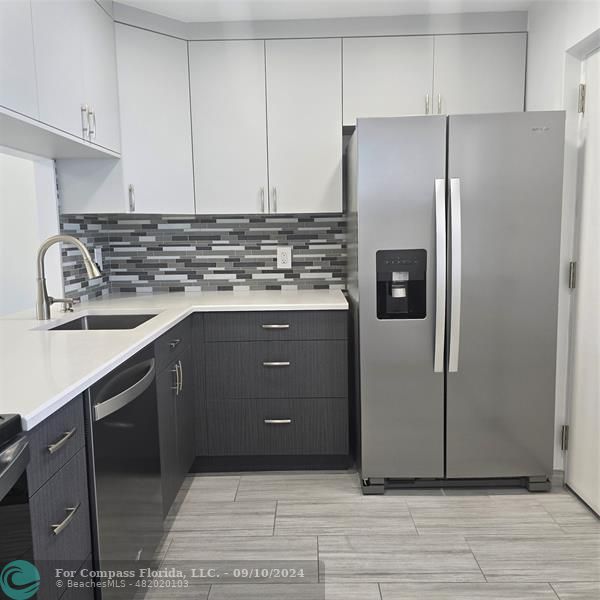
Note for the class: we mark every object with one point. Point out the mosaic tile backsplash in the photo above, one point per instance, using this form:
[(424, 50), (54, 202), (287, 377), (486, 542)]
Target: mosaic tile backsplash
[(148, 253)]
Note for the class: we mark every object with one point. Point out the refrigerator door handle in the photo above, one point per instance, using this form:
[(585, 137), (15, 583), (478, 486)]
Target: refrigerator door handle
[(456, 275), (440, 274)]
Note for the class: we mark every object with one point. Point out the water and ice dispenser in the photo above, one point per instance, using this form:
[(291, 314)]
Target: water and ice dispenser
[(401, 280)]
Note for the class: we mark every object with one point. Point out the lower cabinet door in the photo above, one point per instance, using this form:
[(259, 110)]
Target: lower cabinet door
[(60, 522), (166, 387), (278, 426), (186, 425)]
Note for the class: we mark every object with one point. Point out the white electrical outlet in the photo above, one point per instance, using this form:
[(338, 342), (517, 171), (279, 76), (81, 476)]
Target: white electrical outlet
[(98, 257), (284, 257)]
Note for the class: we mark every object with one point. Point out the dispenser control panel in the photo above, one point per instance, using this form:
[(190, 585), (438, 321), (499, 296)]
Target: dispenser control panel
[(401, 284)]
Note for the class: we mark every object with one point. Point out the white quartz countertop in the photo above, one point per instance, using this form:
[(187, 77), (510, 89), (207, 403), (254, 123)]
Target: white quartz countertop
[(42, 370)]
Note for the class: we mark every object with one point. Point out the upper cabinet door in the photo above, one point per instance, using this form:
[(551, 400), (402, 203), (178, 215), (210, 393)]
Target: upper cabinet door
[(387, 77), (304, 118), (59, 64), (156, 144), (17, 64), (100, 75), (480, 73), (229, 126)]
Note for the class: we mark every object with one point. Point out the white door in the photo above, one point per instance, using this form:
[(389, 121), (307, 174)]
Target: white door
[(583, 456), (156, 144), (479, 73), (387, 76), (59, 64), (229, 126), (100, 74), (304, 124), (18, 89)]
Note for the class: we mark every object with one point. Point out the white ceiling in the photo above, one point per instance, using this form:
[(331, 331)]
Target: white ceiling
[(250, 10)]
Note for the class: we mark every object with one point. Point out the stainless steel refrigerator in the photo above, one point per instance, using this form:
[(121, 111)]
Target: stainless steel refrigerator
[(453, 277)]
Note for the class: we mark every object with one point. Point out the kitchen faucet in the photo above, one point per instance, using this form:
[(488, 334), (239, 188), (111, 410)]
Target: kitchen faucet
[(43, 301)]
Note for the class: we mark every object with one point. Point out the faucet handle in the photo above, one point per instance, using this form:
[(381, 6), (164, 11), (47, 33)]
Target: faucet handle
[(67, 302)]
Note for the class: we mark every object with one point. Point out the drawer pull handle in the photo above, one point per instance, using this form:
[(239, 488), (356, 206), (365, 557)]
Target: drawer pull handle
[(276, 326), (275, 363), (278, 421), (56, 529), (67, 435), (173, 344)]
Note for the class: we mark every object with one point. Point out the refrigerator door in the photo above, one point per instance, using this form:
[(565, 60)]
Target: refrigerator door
[(505, 173), (402, 395)]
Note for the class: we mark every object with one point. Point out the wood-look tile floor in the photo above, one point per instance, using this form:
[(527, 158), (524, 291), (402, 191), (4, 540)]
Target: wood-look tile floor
[(406, 545)]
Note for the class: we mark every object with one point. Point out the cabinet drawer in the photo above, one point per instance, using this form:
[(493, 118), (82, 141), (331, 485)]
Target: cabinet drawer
[(170, 344), (54, 442), (276, 369), (276, 325), (278, 426), (78, 591), (60, 522)]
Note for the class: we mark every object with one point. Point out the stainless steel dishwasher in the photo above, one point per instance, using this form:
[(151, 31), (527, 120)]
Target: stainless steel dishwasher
[(124, 461)]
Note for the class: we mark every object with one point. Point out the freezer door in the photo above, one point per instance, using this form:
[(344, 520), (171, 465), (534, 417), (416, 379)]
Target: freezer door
[(505, 173), (401, 271)]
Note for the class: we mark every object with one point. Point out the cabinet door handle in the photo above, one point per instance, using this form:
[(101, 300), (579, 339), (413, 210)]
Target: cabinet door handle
[(276, 326), (177, 378), (280, 363), (274, 195), (439, 104), (277, 421), (427, 103), (85, 122), (92, 123), (131, 198), (174, 343), (66, 436), (180, 376), (60, 527), (262, 199)]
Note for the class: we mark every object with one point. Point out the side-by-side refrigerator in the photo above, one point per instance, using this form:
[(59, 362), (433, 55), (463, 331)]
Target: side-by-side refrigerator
[(453, 276)]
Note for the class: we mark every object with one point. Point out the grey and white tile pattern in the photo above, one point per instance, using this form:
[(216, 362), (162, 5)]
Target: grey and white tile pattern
[(146, 253), (484, 545)]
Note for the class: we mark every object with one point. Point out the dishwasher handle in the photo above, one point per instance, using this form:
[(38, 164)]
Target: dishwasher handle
[(13, 461), (117, 402)]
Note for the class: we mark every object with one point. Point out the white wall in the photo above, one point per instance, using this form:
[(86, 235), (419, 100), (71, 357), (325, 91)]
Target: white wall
[(556, 29), (28, 215)]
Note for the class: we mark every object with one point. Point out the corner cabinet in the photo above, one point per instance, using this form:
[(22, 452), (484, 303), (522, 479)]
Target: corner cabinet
[(304, 117), (155, 122)]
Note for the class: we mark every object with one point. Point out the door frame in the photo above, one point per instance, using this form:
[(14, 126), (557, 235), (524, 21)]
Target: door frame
[(574, 63)]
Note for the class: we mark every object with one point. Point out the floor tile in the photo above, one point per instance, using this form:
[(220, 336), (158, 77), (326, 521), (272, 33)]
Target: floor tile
[(223, 518), (211, 488), (467, 591), (296, 591), (542, 559), (570, 513), (397, 558), (485, 515), (364, 516), (577, 591), (303, 486), (226, 554)]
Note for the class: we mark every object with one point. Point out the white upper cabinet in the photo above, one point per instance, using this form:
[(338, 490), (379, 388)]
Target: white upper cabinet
[(229, 126), (59, 64), (387, 76), (480, 73), (156, 144), (17, 64), (304, 116), (100, 75)]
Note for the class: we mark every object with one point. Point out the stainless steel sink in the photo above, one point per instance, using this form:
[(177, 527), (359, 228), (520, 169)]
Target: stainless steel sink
[(99, 322)]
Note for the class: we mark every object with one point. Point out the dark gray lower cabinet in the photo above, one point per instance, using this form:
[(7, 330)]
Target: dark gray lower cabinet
[(274, 384), (175, 397)]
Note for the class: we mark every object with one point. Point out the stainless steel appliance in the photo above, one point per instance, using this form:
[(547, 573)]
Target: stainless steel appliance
[(454, 267), (15, 520), (124, 469)]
